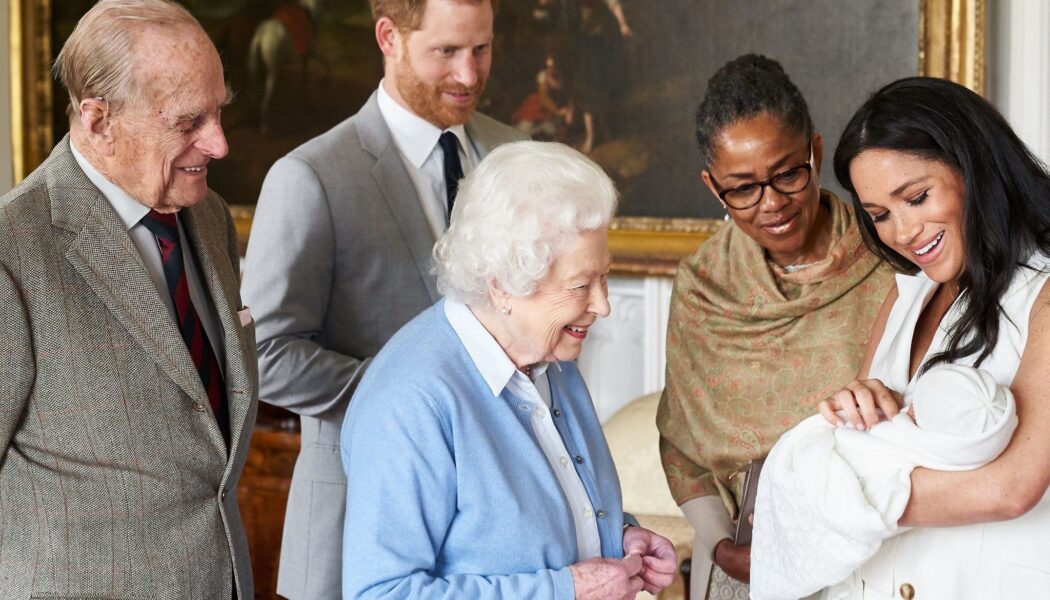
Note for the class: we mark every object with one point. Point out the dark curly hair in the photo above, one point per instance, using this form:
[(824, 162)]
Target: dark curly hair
[(745, 87), (1006, 203)]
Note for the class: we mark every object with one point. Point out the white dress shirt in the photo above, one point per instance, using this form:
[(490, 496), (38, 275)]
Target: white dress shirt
[(131, 213), (417, 141), (500, 373)]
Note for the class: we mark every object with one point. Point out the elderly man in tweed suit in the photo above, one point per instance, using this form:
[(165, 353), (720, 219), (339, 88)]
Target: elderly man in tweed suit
[(128, 383)]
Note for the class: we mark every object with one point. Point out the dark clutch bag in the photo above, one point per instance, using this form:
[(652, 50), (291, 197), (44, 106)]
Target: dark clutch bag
[(747, 503)]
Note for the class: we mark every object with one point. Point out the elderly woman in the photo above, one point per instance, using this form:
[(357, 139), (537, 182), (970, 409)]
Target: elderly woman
[(767, 317), (945, 187), (476, 466)]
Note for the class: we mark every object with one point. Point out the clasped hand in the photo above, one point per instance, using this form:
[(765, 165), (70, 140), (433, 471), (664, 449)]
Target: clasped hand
[(863, 403), (648, 564)]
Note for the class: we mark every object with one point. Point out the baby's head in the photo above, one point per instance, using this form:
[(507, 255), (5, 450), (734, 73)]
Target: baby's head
[(957, 400)]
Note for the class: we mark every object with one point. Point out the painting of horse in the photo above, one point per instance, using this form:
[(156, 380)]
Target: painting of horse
[(296, 67), (282, 43), (618, 79)]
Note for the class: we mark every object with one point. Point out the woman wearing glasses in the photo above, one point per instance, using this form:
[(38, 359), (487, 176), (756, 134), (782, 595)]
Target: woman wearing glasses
[(768, 317)]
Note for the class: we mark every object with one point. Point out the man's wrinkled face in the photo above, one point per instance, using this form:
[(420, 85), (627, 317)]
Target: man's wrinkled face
[(162, 143)]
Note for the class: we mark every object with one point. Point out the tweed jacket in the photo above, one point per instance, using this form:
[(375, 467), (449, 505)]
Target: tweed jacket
[(339, 260), (115, 480)]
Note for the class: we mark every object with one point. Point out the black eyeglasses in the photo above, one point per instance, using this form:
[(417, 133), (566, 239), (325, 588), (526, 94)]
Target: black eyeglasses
[(789, 181)]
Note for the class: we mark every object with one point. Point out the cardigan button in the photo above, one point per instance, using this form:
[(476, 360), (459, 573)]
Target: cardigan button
[(601, 514), (579, 459), (907, 591), (557, 412)]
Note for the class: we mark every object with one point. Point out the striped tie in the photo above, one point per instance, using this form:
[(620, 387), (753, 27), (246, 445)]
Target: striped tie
[(166, 229)]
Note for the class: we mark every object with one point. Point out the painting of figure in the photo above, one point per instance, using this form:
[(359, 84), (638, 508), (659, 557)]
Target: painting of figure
[(296, 67), (617, 79), (620, 79)]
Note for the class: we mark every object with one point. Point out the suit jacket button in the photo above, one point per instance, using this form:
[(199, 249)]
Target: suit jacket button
[(198, 407), (907, 591)]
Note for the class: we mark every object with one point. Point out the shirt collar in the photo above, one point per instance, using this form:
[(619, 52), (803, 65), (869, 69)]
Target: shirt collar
[(495, 366), (128, 209), (415, 136)]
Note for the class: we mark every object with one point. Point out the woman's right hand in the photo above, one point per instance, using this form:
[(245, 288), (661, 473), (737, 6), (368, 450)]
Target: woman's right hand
[(608, 578), (734, 560), (863, 402)]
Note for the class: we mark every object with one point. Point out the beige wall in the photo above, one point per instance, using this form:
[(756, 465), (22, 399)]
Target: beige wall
[(6, 166)]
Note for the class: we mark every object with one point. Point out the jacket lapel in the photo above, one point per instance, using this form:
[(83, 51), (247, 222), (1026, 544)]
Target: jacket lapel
[(397, 189), (104, 255), (208, 241), (478, 137)]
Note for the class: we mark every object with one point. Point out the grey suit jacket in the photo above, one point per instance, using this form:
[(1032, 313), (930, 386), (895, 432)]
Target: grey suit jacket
[(338, 260), (115, 480)]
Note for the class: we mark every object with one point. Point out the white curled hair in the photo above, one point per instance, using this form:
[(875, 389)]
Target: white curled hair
[(513, 216)]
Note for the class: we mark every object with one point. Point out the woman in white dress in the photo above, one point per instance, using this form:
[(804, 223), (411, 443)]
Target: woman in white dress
[(947, 191)]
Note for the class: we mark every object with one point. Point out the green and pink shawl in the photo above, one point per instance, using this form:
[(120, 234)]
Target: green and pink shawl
[(751, 350)]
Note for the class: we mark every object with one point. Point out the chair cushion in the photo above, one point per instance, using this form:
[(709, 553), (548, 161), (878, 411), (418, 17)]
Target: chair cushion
[(634, 442)]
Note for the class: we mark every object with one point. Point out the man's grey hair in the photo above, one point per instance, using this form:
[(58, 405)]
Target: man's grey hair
[(515, 214), (98, 59)]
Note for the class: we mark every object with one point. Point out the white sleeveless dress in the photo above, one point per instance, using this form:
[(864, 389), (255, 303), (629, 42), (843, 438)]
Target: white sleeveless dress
[(1000, 560)]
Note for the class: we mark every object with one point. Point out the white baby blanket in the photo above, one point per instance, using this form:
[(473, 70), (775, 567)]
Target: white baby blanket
[(829, 496)]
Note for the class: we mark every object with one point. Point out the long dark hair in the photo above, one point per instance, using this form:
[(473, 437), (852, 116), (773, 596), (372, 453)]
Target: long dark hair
[(1006, 206)]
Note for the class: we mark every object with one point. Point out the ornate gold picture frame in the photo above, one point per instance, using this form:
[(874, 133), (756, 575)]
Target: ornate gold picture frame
[(950, 45)]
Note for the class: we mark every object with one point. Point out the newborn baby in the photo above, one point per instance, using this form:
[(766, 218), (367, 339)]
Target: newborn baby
[(957, 400), (829, 496)]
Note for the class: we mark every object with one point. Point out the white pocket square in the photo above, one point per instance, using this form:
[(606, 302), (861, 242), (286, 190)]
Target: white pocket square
[(245, 316)]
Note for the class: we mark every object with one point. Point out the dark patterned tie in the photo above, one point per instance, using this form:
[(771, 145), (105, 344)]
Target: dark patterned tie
[(166, 229), (453, 169)]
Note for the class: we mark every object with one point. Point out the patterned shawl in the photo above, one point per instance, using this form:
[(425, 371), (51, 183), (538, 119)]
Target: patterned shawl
[(751, 349)]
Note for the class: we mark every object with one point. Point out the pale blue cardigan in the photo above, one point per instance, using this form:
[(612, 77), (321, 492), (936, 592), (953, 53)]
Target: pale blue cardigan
[(448, 492)]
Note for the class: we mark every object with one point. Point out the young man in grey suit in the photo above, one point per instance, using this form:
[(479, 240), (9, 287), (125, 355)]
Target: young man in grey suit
[(339, 257), (128, 380)]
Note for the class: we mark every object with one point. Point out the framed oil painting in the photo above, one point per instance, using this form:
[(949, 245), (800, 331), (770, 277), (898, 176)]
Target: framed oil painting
[(618, 79), (296, 67)]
